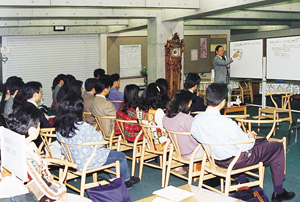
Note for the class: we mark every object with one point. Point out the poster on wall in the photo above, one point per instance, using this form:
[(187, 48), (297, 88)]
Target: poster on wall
[(194, 55), (130, 60), (203, 48)]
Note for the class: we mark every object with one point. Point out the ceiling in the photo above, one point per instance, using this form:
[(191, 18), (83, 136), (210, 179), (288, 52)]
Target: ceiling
[(109, 16)]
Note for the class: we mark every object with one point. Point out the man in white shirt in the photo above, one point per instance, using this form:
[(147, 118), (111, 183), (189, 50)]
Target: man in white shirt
[(212, 128)]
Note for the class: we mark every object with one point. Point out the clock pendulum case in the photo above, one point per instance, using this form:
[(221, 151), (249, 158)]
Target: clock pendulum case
[(173, 56)]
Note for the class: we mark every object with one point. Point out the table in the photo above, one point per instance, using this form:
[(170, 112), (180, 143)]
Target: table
[(236, 109), (201, 195)]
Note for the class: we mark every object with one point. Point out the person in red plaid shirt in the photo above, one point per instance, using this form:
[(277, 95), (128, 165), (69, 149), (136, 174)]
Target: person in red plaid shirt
[(127, 111)]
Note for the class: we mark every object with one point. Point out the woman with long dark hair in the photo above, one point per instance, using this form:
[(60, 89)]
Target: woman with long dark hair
[(127, 111), (177, 119), (70, 128)]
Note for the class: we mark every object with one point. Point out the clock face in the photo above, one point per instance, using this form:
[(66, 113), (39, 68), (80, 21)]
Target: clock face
[(176, 52)]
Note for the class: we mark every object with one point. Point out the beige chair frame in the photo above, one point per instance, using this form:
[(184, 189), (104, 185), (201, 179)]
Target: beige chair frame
[(210, 168), (244, 90), (274, 112), (124, 145), (148, 152), (73, 173), (175, 158), (248, 122), (112, 138)]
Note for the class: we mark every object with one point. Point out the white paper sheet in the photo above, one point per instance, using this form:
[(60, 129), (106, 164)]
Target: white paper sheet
[(173, 193), (159, 199)]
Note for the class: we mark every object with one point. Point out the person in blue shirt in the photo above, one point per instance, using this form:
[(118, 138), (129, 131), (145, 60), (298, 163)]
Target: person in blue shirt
[(114, 93)]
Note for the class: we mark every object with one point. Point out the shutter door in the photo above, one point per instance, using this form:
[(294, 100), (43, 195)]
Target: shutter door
[(42, 58)]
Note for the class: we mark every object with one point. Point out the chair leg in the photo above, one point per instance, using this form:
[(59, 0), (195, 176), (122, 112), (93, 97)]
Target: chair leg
[(82, 185), (222, 185), (227, 184), (169, 167), (133, 160), (142, 160), (95, 176), (163, 172), (259, 118), (261, 173)]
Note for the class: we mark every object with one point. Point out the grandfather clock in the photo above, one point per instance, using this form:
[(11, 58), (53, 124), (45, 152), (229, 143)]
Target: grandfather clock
[(173, 55)]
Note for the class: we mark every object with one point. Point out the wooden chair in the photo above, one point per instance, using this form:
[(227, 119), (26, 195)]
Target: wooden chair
[(175, 159), (210, 168), (124, 145), (85, 115), (112, 139), (73, 173), (249, 122), (149, 151), (116, 101), (48, 135), (244, 90), (274, 112)]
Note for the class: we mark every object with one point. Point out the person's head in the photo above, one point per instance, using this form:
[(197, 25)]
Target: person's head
[(89, 84), (25, 121), (219, 50), (192, 81), (31, 91), (115, 79), (163, 84), (68, 79), (180, 102), (151, 97), (131, 96), (98, 73), (102, 85), (14, 84), (68, 112), (215, 94), (75, 87), (58, 80)]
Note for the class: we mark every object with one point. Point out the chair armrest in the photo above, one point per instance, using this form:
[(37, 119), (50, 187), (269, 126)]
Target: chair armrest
[(61, 162)]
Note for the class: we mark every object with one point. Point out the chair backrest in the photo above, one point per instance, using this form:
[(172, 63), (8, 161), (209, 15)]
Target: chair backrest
[(173, 136), (85, 114), (152, 135), (100, 125), (248, 122), (121, 125), (285, 99), (116, 101), (47, 135)]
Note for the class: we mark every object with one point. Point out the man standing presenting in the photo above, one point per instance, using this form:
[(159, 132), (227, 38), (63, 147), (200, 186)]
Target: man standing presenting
[(212, 128), (221, 65)]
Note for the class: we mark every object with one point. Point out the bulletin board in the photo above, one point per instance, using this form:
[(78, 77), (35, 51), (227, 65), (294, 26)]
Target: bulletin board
[(113, 52)]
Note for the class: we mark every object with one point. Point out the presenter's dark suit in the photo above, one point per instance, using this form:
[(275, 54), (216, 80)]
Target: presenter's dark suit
[(220, 68)]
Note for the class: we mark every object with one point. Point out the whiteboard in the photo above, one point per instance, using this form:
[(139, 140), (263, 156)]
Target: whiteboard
[(249, 62), (130, 60), (283, 58)]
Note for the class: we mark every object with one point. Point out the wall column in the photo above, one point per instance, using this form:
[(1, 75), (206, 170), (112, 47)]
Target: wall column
[(158, 34)]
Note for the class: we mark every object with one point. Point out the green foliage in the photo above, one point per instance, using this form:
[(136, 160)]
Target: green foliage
[(144, 72)]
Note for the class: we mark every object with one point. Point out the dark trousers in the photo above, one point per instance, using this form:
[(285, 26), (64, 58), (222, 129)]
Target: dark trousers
[(262, 151)]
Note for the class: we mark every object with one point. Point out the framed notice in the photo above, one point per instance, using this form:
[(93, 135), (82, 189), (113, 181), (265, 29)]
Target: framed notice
[(130, 60)]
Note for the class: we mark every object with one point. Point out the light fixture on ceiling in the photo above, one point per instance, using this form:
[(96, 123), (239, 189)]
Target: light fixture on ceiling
[(59, 28)]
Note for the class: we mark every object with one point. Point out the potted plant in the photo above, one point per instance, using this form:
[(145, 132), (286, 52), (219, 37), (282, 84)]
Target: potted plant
[(144, 73)]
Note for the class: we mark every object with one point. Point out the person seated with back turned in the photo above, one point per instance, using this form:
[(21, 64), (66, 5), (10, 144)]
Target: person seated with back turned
[(163, 85), (177, 119), (57, 83), (127, 111), (88, 98), (70, 128), (102, 107), (114, 94), (13, 88), (212, 128), (191, 84), (98, 73)]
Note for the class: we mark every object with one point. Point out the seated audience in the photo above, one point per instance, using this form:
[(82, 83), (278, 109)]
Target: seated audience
[(212, 128), (13, 88), (102, 107), (192, 81), (114, 94), (150, 103), (71, 129), (58, 82), (163, 85), (65, 88), (127, 111), (98, 73), (88, 98), (31, 95), (26, 121)]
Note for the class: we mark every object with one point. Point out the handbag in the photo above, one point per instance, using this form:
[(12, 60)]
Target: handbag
[(114, 191), (255, 194)]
